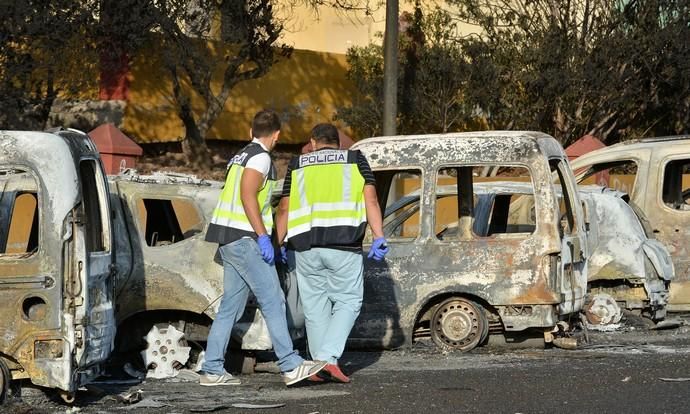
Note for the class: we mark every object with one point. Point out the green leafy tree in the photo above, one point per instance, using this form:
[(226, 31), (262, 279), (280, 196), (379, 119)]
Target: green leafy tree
[(436, 91), (610, 69), (432, 80), (42, 56), (651, 86), (531, 63), (616, 70), (365, 115)]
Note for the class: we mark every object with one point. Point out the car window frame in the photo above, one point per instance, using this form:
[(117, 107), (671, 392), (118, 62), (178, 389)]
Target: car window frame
[(40, 252), (140, 196), (497, 236)]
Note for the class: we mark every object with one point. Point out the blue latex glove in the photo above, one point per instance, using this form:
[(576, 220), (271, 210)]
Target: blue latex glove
[(378, 249), (266, 247), (282, 255)]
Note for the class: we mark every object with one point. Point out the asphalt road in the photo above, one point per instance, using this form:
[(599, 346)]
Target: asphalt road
[(636, 371)]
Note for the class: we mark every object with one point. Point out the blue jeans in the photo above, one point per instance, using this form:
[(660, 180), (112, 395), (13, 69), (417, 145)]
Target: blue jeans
[(331, 288), (244, 269)]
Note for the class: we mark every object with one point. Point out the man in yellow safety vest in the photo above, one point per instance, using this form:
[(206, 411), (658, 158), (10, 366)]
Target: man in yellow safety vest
[(328, 197)]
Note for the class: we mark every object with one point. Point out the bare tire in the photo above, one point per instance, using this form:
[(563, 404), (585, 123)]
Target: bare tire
[(459, 324), (68, 397), (5, 379)]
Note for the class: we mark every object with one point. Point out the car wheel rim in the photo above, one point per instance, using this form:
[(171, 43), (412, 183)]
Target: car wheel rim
[(458, 324)]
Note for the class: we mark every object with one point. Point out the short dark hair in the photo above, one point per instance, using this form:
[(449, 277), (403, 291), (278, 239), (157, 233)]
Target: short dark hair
[(325, 134), (265, 123)]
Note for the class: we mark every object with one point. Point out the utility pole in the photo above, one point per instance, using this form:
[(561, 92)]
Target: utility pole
[(390, 69)]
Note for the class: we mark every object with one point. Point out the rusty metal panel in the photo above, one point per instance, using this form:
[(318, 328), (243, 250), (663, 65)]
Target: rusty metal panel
[(178, 276), (24, 214)]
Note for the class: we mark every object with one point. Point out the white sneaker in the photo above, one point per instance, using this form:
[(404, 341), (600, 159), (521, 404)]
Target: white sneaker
[(303, 371), (210, 380)]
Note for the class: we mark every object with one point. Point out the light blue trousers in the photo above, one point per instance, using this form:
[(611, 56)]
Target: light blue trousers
[(244, 269), (331, 287)]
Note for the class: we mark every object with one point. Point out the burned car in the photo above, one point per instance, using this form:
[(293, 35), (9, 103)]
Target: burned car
[(168, 285), (56, 261), (445, 280), (626, 268), (656, 174)]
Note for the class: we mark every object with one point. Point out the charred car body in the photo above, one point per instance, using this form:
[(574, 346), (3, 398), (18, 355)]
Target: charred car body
[(57, 322), (169, 285), (441, 278), (654, 171), (626, 267)]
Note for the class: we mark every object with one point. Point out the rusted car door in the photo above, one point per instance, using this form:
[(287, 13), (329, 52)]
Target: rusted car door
[(166, 263), (91, 284), (379, 324), (668, 209), (573, 269)]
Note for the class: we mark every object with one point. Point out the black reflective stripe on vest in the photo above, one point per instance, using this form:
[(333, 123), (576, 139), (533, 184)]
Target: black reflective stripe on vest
[(224, 235), (336, 237)]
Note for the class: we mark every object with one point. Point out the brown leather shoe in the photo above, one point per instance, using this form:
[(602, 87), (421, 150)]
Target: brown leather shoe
[(333, 372)]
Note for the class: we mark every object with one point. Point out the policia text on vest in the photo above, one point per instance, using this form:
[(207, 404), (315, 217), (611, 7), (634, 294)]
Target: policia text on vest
[(326, 207)]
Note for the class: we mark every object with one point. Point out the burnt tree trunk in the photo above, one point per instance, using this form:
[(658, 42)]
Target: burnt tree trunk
[(193, 143)]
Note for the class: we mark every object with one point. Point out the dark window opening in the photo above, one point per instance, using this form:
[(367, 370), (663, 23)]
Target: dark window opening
[(565, 204), (676, 186), (91, 207), (168, 222)]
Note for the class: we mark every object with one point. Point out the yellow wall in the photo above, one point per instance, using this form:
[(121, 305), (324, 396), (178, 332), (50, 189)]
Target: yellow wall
[(332, 31), (335, 31), (304, 89)]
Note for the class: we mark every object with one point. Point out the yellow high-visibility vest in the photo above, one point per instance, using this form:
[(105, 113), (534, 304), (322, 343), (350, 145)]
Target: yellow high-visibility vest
[(229, 221), (326, 200)]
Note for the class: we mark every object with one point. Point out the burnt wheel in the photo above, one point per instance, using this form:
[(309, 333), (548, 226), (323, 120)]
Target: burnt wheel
[(458, 323), (5, 379)]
